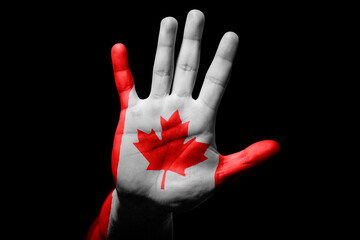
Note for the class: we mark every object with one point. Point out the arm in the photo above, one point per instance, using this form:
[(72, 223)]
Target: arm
[(130, 219), (99, 227)]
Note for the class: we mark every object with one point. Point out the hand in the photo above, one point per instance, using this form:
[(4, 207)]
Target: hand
[(164, 155), (164, 147)]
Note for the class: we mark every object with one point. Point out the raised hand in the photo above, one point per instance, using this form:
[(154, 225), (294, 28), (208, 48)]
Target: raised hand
[(164, 147), (164, 153)]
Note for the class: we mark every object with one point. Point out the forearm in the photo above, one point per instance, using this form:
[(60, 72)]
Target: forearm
[(99, 228), (131, 218)]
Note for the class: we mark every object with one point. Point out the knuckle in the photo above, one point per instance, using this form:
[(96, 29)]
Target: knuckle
[(162, 73), (216, 81), (186, 67)]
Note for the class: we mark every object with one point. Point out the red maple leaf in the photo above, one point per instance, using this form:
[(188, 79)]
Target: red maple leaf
[(171, 153)]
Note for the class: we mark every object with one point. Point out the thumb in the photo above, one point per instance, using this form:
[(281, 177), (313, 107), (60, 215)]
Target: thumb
[(237, 164)]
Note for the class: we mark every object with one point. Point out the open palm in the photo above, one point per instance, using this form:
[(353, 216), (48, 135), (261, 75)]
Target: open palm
[(164, 147)]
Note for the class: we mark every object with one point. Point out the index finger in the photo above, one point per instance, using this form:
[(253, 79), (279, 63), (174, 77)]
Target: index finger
[(219, 71)]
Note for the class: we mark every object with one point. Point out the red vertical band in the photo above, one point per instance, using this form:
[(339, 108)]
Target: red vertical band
[(118, 135), (99, 228), (124, 83), (218, 172), (94, 232), (104, 216), (237, 164)]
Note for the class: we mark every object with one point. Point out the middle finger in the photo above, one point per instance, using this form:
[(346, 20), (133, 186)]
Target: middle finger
[(189, 56)]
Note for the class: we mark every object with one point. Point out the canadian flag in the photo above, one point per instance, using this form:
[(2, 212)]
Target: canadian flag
[(164, 149)]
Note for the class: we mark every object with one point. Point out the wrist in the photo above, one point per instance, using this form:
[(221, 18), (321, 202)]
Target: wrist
[(136, 217)]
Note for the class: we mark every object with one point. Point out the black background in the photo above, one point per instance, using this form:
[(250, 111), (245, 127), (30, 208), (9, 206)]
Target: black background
[(73, 108)]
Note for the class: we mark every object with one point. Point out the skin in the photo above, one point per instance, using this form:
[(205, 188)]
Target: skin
[(139, 207)]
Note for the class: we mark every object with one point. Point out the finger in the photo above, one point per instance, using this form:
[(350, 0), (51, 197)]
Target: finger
[(219, 71), (164, 58), (234, 165), (189, 56), (123, 79)]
